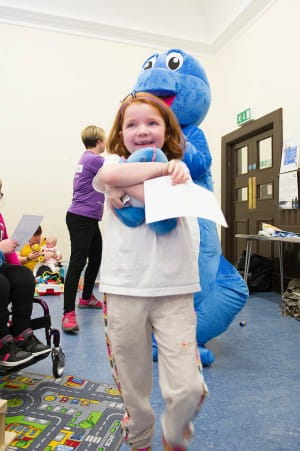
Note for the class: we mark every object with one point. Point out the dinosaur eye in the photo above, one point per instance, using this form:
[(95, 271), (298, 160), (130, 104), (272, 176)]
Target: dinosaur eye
[(174, 60), (150, 62)]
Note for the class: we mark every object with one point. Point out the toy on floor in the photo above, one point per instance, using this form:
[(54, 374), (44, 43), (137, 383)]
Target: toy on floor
[(6, 437), (180, 80), (49, 283), (132, 215)]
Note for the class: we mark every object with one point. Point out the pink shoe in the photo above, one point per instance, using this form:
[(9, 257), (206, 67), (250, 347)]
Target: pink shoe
[(93, 302), (69, 323), (187, 434), (169, 447)]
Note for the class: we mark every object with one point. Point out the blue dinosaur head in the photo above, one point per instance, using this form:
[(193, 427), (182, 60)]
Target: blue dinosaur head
[(180, 80)]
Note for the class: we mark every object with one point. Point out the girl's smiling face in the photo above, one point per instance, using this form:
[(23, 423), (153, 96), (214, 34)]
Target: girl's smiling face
[(142, 126)]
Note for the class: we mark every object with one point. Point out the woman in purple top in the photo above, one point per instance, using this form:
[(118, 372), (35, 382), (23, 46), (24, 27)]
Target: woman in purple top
[(82, 219)]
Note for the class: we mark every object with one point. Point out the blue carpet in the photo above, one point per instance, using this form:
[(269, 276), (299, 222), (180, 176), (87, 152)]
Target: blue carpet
[(254, 383)]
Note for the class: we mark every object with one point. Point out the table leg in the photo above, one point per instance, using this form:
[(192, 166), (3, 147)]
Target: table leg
[(280, 252), (247, 258)]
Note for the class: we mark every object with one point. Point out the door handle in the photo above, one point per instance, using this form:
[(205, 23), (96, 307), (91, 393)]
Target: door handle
[(252, 193)]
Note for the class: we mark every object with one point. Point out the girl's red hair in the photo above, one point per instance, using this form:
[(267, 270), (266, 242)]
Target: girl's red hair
[(174, 140)]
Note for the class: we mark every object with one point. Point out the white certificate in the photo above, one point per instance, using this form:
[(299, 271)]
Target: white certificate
[(164, 200), (26, 228), (288, 190)]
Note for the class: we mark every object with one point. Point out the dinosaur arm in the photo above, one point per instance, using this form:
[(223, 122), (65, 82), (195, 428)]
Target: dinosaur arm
[(196, 155)]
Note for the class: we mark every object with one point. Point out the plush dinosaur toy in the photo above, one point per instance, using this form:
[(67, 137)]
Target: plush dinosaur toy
[(180, 80)]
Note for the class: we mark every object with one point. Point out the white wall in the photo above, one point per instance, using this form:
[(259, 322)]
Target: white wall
[(54, 84), (260, 69)]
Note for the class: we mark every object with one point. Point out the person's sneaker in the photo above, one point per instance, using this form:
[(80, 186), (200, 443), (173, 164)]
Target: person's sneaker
[(69, 323), (187, 434), (168, 447), (30, 343), (93, 302), (10, 353), (142, 449)]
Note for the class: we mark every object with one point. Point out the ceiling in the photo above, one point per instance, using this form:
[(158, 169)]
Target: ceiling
[(198, 26)]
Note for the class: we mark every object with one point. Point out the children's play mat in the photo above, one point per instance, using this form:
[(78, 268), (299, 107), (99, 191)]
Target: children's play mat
[(63, 414)]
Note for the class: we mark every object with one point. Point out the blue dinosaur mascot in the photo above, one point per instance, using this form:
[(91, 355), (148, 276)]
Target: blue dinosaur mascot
[(180, 80)]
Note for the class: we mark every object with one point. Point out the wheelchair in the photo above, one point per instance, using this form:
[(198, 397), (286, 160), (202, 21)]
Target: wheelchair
[(51, 334)]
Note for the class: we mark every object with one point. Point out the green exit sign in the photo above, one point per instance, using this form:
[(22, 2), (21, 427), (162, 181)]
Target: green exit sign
[(243, 117)]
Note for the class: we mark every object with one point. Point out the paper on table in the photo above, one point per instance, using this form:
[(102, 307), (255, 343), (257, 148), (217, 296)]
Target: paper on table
[(26, 228), (288, 190), (164, 200), (290, 156)]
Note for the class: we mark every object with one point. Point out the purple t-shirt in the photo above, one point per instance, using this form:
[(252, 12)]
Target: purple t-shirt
[(86, 201)]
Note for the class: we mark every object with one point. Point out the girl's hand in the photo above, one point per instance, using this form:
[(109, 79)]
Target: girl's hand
[(33, 256), (8, 245), (115, 195), (178, 171)]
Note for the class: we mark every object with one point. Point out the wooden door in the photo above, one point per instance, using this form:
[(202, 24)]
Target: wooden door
[(255, 168), (251, 159)]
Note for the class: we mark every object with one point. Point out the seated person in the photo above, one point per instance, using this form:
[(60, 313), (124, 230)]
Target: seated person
[(18, 344), (29, 255), (50, 257)]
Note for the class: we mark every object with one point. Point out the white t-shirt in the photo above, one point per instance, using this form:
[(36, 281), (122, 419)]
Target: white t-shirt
[(136, 261)]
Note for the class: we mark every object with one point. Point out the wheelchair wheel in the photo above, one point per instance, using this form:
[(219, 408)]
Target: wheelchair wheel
[(58, 362)]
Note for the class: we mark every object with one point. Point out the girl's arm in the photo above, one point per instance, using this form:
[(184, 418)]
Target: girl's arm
[(31, 256), (116, 194), (136, 191), (125, 175), (121, 175)]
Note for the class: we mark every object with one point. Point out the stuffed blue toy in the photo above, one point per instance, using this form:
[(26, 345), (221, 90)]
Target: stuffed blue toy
[(134, 216), (180, 80)]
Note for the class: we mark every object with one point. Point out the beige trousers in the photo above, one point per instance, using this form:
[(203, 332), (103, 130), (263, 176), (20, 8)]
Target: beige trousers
[(130, 323)]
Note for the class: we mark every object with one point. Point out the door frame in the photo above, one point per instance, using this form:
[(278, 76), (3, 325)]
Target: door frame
[(270, 121)]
